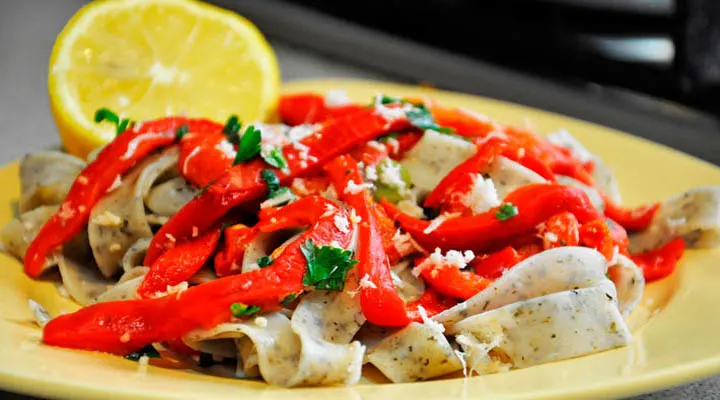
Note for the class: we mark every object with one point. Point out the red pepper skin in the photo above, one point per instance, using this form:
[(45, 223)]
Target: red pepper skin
[(311, 185), (229, 259), (178, 264), (566, 229), (573, 169), (536, 165), (386, 228), (201, 160), (450, 281), (659, 263), (483, 157), (381, 304), (536, 203), (463, 122), (619, 235), (121, 327), (636, 219), (369, 154), (406, 141), (309, 108), (494, 265), (597, 235), (433, 303), (95, 180), (242, 183)]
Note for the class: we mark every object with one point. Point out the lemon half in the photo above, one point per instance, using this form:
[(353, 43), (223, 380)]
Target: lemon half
[(146, 59)]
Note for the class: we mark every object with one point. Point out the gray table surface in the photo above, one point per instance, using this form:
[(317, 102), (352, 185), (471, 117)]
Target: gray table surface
[(27, 31)]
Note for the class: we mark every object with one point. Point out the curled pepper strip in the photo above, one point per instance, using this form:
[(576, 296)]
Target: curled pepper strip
[(432, 302), (229, 259), (380, 302), (560, 230), (535, 203), (97, 178), (492, 266), (202, 159), (310, 108), (597, 235), (451, 281), (178, 264), (242, 183), (659, 263), (121, 327), (636, 219)]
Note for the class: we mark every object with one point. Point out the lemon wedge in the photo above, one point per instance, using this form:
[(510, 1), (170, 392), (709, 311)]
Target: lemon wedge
[(146, 59)]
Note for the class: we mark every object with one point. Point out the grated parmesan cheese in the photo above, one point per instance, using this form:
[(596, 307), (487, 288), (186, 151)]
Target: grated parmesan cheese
[(365, 282), (297, 133), (286, 197), (82, 179), (390, 175), (453, 258), (107, 219), (125, 337), (226, 147), (393, 144), (551, 237), (354, 218), (482, 196), (336, 98), (376, 145), (353, 188), (371, 173), (170, 237), (261, 322), (390, 114), (342, 223), (116, 184)]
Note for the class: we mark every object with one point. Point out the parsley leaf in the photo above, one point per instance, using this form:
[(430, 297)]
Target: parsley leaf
[(385, 99), (420, 117), (243, 310), (271, 179), (264, 261), (104, 114), (274, 158), (231, 129), (506, 211), (148, 351), (327, 266), (288, 299), (249, 145), (181, 131)]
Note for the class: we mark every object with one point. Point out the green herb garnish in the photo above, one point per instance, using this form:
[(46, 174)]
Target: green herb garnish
[(420, 117), (264, 261), (249, 145), (274, 158), (181, 131), (506, 211), (148, 351), (288, 300), (243, 310), (104, 114), (271, 179), (327, 266), (231, 129)]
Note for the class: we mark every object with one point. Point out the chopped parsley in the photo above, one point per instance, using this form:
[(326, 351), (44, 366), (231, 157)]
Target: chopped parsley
[(264, 261), (420, 117), (327, 266), (148, 351), (243, 310), (288, 299), (181, 131), (275, 158), (249, 145), (385, 99), (506, 211), (273, 183), (231, 129), (104, 114)]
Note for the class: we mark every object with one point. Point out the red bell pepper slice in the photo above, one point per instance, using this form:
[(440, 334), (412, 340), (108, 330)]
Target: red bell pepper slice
[(635, 219), (178, 264), (311, 185), (201, 159), (370, 154), (432, 302), (381, 304), (463, 122), (659, 263), (450, 281), (228, 261), (492, 266), (560, 230), (310, 108), (573, 169), (95, 180), (619, 235), (535, 203), (242, 183), (121, 327), (597, 235)]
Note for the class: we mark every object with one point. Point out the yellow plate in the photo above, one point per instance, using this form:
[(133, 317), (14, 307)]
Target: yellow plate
[(675, 331)]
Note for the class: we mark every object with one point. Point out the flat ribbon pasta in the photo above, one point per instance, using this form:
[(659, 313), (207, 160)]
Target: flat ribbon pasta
[(81, 280), (693, 215), (118, 220), (46, 177), (17, 235), (167, 198), (629, 282), (508, 175), (126, 288)]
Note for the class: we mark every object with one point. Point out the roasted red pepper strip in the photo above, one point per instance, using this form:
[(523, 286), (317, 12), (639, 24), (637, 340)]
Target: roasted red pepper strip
[(228, 261), (370, 153), (485, 154), (380, 302), (242, 183), (463, 122), (619, 236), (534, 164), (432, 302), (202, 159), (659, 263), (636, 219), (178, 264), (450, 281), (494, 265), (405, 142), (597, 235), (95, 180), (310, 108), (535, 203), (560, 230), (573, 169), (121, 327)]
